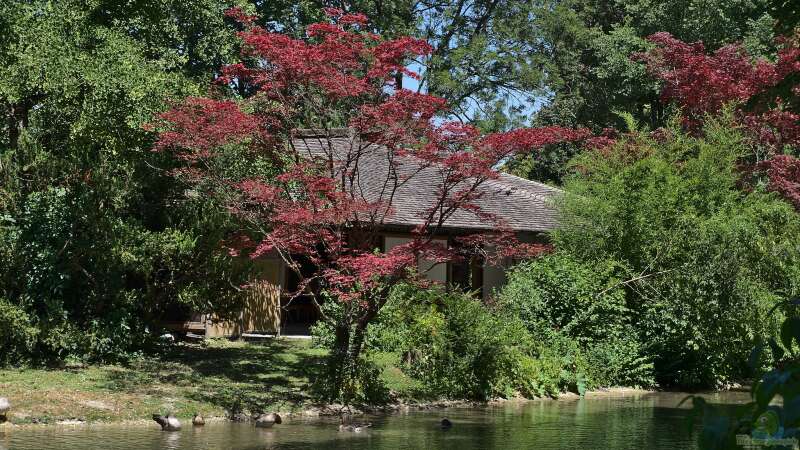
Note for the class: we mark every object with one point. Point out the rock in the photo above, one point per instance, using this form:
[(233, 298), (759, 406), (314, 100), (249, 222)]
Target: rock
[(240, 417), (71, 422), (353, 427), (167, 422), (198, 420), (267, 420), (446, 424)]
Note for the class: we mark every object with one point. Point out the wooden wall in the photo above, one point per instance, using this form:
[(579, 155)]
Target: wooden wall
[(262, 305)]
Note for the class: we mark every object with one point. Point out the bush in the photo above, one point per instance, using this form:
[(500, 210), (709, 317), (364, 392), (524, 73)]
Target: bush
[(618, 362), (17, 334), (774, 412), (459, 348), (95, 286), (562, 364), (704, 261), (577, 313), (579, 300)]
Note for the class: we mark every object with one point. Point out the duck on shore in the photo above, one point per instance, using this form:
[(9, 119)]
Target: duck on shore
[(267, 420), (5, 405), (198, 420), (168, 423)]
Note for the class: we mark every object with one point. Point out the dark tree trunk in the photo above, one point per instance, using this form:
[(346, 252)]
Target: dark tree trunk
[(343, 364), (350, 333), (337, 363), (17, 117)]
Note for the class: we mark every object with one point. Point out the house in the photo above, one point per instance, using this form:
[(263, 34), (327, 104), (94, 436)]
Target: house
[(523, 205)]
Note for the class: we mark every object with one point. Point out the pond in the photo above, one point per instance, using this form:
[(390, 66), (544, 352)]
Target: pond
[(633, 421)]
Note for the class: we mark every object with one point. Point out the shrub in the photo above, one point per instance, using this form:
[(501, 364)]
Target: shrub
[(557, 292), (17, 334), (618, 362), (577, 313), (773, 414), (562, 364), (704, 260), (459, 348), (95, 285)]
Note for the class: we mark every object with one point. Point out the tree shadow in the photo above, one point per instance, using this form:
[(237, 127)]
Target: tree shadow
[(250, 377)]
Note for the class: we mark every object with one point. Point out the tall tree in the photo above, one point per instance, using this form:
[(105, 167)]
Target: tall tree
[(590, 76), (93, 237), (325, 196), (485, 62)]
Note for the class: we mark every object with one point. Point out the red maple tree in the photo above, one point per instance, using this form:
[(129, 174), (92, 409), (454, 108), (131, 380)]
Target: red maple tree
[(702, 83), (311, 207)]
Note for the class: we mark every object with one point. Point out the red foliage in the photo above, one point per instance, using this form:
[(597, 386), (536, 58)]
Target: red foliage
[(702, 83), (240, 16), (604, 140), (502, 145), (200, 125), (312, 210), (784, 177)]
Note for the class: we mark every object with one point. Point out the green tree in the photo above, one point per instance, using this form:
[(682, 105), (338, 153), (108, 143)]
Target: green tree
[(486, 62), (704, 260), (587, 47), (95, 238)]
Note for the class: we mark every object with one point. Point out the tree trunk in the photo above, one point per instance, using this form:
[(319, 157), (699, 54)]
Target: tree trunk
[(357, 342), (337, 362), (17, 117), (343, 365)]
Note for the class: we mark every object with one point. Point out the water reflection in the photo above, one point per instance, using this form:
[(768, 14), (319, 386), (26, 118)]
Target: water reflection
[(651, 421), (170, 440)]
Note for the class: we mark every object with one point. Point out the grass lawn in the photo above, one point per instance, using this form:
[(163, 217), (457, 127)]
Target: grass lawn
[(208, 378)]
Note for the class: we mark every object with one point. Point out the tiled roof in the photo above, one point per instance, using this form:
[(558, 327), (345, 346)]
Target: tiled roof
[(523, 204)]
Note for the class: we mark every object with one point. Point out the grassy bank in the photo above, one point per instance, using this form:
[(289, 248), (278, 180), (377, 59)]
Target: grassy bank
[(212, 378), (209, 378)]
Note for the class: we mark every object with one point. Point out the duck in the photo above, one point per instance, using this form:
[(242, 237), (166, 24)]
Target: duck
[(5, 405), (446, 424), (198, 420), (353, 427), (168, 423), (267, 420)]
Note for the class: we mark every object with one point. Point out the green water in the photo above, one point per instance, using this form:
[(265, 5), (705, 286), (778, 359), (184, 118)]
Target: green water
[(641, 421)]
